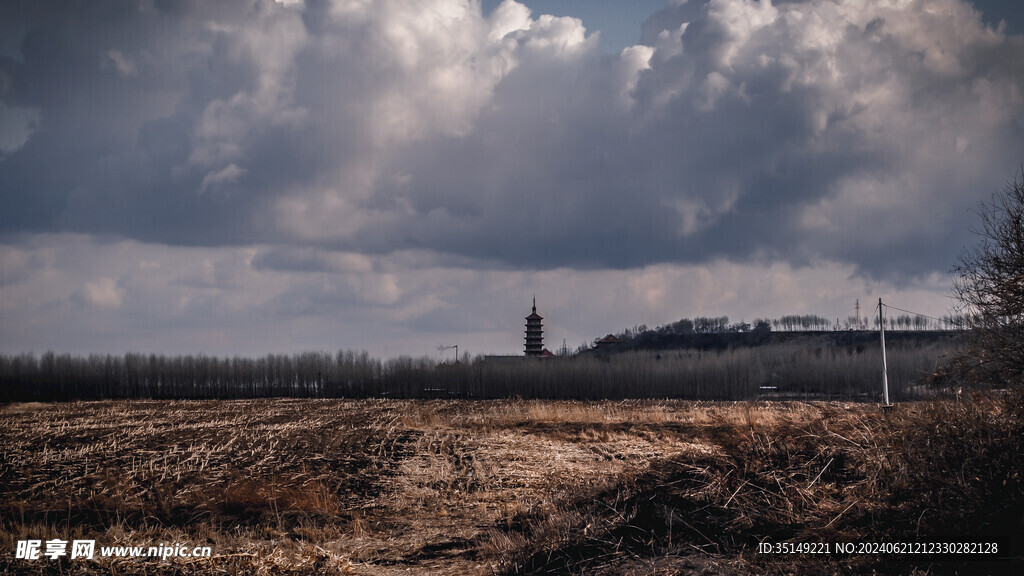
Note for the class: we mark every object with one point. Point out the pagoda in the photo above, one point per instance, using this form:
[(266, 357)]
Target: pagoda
[(534, 333)]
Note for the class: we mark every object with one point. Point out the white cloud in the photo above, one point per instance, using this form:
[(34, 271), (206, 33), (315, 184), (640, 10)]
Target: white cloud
[(227, 175), (634, 60), (266, 41), (510, 16), (124, 65), (104, 293), (16, 126), (439, 65)]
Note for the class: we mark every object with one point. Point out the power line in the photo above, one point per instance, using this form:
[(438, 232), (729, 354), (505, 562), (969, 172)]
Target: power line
[(919, 314)]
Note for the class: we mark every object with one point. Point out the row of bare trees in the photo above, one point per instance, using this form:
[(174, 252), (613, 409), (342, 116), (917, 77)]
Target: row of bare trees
[(816, 365), (63, 376), (805, 322)]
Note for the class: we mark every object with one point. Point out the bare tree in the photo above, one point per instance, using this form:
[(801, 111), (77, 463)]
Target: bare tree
[(989, 282)]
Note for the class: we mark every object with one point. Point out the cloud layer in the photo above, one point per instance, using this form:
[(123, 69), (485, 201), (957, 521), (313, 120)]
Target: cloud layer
[(315, 144), (74, 293)]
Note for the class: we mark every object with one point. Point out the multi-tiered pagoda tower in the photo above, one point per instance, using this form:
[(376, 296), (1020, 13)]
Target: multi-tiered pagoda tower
[(534, 333)]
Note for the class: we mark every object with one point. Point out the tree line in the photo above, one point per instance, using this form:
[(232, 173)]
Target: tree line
[(641, 336), (818, 365), (53, 376)]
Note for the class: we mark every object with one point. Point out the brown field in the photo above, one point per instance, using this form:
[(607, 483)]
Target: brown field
[(383, 487)]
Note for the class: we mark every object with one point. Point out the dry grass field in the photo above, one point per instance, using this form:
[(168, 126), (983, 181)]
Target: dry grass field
[(383, 487)]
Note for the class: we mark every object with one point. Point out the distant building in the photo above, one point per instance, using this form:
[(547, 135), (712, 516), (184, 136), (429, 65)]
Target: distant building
[(502, 359), (535, 333), (607, 342)]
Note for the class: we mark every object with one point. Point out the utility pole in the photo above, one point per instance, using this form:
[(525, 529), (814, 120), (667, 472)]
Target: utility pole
[(885, 373)]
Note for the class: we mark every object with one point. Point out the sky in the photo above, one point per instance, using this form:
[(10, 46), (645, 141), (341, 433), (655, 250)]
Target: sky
[(250, 177)]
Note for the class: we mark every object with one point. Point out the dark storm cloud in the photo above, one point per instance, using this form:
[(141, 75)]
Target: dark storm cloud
[(121, 89), (855, 132), (861, 133)]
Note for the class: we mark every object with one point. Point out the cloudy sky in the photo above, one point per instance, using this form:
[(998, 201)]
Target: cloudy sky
[(245, 177)]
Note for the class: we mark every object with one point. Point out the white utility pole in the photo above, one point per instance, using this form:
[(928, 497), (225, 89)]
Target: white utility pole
[(885, 372)]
